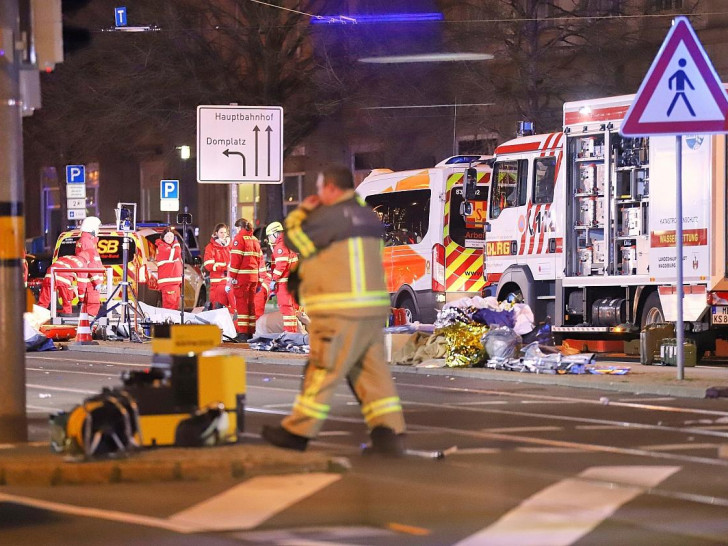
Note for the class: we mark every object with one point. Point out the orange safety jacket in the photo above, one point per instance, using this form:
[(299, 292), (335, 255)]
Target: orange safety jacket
[(284, 261), (87, 251)]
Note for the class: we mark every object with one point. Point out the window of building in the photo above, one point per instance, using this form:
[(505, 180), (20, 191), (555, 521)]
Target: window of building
[(509, 186), (405, 215), (543, 179), (292, 192), (667, 5), (248, 199)]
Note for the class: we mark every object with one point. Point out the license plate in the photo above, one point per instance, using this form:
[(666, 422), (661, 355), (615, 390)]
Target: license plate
[(720, 314)]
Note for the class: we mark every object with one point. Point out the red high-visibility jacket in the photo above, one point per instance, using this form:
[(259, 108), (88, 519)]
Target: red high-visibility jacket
[(245, 258), (87, 251), (62, 263), (217, 258), (169, 264), (284, 261)]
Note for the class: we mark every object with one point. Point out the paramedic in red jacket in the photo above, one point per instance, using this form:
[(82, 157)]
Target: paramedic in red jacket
[(217, 258), (169, 268), (245, 257), (64, 282), (284, 262), (86, 249)]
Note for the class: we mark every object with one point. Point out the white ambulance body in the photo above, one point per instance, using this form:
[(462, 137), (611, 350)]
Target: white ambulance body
[(598, 255), (432, 253)]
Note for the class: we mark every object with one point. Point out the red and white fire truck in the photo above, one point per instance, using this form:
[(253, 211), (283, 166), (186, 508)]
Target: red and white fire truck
[(581, 224)]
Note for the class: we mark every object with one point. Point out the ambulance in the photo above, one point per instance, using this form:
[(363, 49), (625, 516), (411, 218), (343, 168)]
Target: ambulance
[(581, 225), (433, 240)]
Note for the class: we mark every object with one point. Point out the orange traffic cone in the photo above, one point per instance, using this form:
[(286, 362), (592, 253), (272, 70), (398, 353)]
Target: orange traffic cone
[(83, 333)]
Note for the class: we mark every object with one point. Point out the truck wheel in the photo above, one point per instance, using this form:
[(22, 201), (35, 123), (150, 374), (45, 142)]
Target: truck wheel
[(652, 310), (408, 305)]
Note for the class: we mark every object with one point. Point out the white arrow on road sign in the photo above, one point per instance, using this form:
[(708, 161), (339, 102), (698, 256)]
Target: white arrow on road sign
[(240, 144), (682, 93)]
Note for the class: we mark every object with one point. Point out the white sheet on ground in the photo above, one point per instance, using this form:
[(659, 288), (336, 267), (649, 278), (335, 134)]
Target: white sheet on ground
[(220, 317), (38, 317)]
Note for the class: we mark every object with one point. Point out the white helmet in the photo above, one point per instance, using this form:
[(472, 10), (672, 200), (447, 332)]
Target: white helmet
[(91, 225)]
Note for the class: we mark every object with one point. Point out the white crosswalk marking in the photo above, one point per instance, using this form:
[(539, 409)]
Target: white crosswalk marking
[(252, 502), (566, 511)]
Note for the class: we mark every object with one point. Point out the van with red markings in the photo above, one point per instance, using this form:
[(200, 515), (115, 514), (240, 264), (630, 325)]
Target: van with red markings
[(433, 246)]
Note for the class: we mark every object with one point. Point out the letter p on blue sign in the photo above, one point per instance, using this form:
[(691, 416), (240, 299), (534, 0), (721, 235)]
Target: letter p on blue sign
[(170, 189), (75, 174)]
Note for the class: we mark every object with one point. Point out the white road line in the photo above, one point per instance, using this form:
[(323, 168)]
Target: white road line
[(678, 447), (524, 429), (566, 511), (75, 360), (110, 375), (483, 403), (658, 399), (41, 408), (592, 401), (550, 450), (559, 402), (602, 427), (109, 515), (59, 389), (252, 502), (476, 451)]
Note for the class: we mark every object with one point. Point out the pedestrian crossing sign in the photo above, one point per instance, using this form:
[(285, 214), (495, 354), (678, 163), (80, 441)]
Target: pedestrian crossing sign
[(682, 93)]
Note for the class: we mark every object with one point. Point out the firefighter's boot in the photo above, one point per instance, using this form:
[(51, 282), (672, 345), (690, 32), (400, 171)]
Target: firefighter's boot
[(280, 437), (385, 443)]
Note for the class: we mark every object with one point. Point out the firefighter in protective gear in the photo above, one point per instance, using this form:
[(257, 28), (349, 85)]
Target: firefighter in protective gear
[(245, 259), (64, 282), (169, 268), (343, 291), (89, 284), (284, 262), (217, 258)]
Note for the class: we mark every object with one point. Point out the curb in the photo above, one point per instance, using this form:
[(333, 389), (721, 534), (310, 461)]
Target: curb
[(24, 466)]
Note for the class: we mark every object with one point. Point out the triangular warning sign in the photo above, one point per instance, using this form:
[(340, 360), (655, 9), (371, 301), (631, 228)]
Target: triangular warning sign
[(682, 93)]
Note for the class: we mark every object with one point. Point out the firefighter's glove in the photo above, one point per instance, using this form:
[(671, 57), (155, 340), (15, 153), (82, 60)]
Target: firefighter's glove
[(272, 286), (228, 286)]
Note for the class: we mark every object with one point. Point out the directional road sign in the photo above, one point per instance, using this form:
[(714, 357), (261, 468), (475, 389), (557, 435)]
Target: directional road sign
[(682, 93), (120, 17), (169, 195), (75, 203), (240, 144), (75, 174)]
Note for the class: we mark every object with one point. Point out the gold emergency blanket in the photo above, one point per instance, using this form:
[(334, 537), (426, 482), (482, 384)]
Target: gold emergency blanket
[(464, 348)]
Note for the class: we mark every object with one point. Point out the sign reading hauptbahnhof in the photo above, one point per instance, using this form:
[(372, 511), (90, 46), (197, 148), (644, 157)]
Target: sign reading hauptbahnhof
[(239, 144)]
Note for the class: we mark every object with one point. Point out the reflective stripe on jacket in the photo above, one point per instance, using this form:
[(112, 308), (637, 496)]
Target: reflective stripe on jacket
[(86, 250), (169, 263), (341, 262), (284, 261)]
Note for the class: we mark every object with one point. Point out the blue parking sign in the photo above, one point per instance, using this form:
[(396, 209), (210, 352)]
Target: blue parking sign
[(120, 17), (170, 189), (75, 174)]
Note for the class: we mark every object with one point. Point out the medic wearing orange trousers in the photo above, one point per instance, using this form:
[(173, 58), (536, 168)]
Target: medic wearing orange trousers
[(245, 259), (217, 258), (169, 268), (284, 262), (89, 283), (64, 282)]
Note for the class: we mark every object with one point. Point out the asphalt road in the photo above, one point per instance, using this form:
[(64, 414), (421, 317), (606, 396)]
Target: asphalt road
[(525, 464)]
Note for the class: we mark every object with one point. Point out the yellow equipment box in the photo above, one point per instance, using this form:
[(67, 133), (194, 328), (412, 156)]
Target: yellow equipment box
[(182, 339)]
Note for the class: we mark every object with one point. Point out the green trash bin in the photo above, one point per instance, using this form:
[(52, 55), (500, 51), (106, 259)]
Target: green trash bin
[(650, 338), (668, 352)]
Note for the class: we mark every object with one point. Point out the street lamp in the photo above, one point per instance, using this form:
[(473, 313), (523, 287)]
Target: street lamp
[(184, 152)]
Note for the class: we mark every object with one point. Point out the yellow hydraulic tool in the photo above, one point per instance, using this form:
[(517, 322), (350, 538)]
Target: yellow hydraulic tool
[(188, 374)]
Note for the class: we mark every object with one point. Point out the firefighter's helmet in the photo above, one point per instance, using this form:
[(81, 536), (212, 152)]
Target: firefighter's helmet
[(273, 227), (91, 224)]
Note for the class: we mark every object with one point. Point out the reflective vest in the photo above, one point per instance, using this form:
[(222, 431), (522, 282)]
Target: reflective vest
[(284, 261), (169, 264), (217, 257), (245, 258)]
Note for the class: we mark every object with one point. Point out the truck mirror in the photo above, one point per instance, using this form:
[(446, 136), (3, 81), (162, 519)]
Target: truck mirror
[(470, 185), (466, 209)]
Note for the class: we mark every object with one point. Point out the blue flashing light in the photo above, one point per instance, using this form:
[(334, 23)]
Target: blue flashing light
[(379, 18)]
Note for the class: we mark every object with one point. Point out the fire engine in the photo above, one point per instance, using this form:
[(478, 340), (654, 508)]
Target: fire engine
[(581, 224), (433, 242)]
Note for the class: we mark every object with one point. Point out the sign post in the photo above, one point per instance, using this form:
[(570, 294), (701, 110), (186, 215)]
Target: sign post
[(680, 95)]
